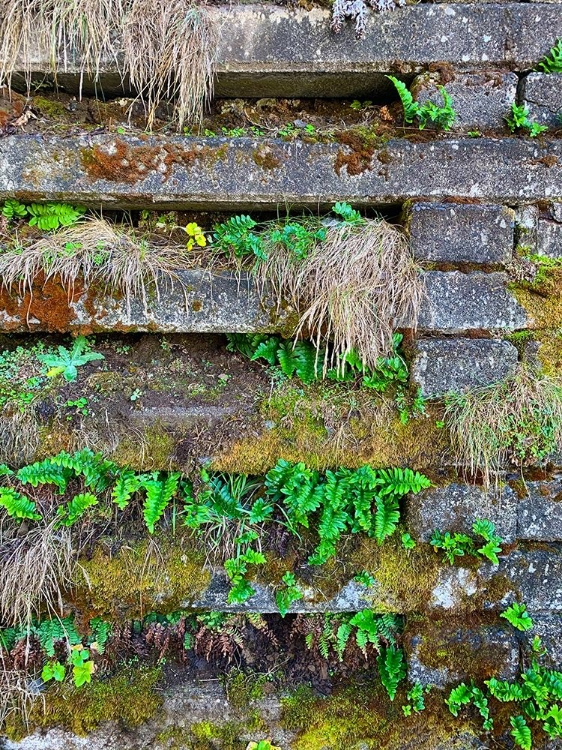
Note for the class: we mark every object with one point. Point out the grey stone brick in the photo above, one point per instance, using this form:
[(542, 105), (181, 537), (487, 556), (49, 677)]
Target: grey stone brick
[(549, 238), (447, 652), (461, 233), (455, 507), (535, 577), (458, 302), (539, 515), (451, 365), (542, 93), (480, 100)]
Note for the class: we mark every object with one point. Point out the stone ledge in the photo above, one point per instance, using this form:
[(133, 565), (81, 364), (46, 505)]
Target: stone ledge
[(263, 49), (200, 302), (539, 514), (441, 366), (461, 233), (245, 173)]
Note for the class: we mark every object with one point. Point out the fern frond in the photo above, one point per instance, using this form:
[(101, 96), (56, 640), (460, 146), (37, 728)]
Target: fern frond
[(17, 505), (159, 492)]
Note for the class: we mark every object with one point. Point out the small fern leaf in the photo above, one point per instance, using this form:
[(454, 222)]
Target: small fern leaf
[(76, 508), (127, 484), (387, 517), (18, 506), (159, 492), (521, 732)]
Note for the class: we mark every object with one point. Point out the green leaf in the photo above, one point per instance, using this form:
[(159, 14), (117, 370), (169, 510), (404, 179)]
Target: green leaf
[(518, 616), (521, 732), (17, 505)]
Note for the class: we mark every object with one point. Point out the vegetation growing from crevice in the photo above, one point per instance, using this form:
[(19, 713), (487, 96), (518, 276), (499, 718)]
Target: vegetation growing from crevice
[(552, 61), (458, 545), (428, 112), (516, 421), (228, 512), (518, 119), (168, 47)]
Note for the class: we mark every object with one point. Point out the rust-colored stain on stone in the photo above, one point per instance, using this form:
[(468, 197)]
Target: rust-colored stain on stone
[(48, 303), (120, 161)]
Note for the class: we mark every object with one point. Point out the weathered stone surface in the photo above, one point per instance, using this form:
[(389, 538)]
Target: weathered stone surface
[(455, 507), (234, 173), (549, 630), (201, 302), (198, 301), (526, 228), (461, 233), (535, 576), (445, 652), (445, 365), (455, 589), (539, 515), (542, 93), (458, 302), (480, 100), (187, 702), (549, 238), (265, 50)]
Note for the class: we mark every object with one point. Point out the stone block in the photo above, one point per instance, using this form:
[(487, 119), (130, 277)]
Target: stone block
[(443, 366), (526, 229), (534, 576), (458, 302), (455, 507), (549, 238), (122, 172), (461, 233), (480, 100), (549, 630), (542, 93), (539, 514), (443, 652)]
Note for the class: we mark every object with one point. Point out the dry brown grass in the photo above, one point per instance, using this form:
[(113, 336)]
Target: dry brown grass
[(169, 50), (35, 568), (516, 421), (17, 695), (96, 251), (19, 434), (354, 289), (168, 46)]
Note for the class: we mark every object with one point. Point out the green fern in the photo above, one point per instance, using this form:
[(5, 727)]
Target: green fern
[(347, 213), (101, 630), (49, 216), (552, 62), (17, 505), (392, 669), (386, 518), (75, 509), (125, 487), (44, 472), (50, 632), (159, 492), (521, 732), (411, 108)]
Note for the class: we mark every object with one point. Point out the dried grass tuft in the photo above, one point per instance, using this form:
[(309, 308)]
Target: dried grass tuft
[(169, 51), (515, 421), (91, 251), (353, 289), (17, 693), (34, 570), (168, 45), (19, 434)]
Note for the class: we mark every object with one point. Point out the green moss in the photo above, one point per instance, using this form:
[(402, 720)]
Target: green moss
[(49, 107), (128, 697), (153, 575), (542, 298), (155, 448), (244, 687), (327, 425), (227, 736), (361, 715)]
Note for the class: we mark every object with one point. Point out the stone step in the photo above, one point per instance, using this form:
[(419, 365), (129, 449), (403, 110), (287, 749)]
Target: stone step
[(245, 173), (201, 302), (264, 50)]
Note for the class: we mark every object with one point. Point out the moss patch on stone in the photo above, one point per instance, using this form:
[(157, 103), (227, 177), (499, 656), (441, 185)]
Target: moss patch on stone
[(328, 425), (129, 697), (157, 574), (360, 715)]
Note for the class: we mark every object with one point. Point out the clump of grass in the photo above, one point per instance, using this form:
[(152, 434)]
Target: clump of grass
[(168, 47), (17, 695), (34, 570), (517, 420), (354, 288), (95, 251)]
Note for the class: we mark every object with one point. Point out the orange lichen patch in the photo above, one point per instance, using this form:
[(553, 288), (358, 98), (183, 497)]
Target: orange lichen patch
[(120, 161), (47, 306), (266, 157)]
